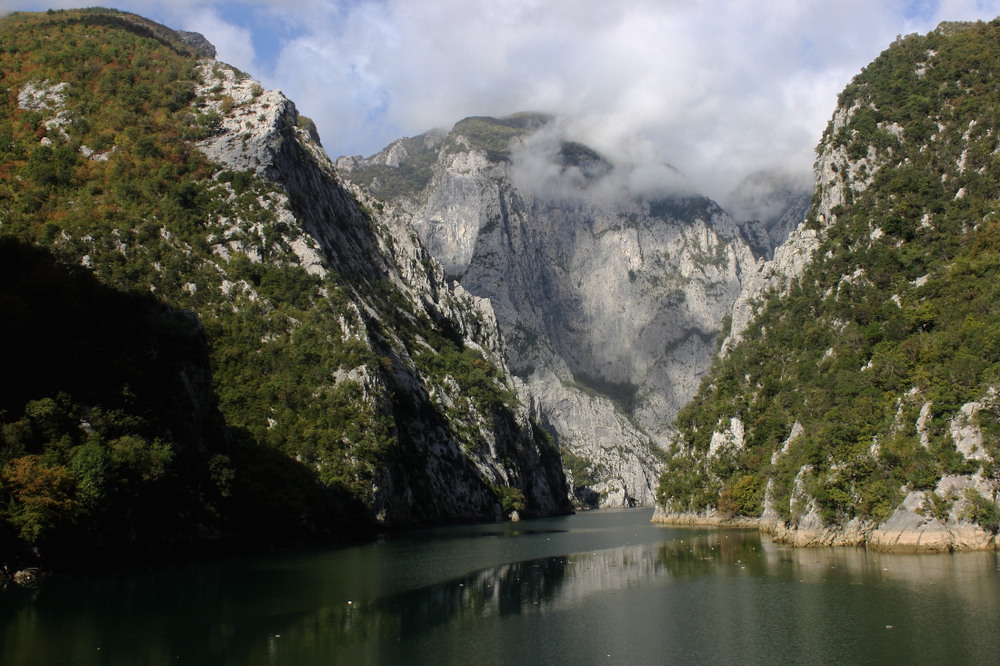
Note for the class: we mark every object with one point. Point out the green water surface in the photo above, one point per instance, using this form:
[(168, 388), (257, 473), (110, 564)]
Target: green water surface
[(603, 587)]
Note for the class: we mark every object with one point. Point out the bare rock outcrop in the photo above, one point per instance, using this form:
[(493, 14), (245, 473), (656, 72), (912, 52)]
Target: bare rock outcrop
[(609, 301), (459, 459)]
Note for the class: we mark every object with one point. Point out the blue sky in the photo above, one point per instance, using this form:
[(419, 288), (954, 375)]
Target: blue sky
[(717, 88)]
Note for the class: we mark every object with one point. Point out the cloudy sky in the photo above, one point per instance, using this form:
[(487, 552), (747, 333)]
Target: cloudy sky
[(717, 88)]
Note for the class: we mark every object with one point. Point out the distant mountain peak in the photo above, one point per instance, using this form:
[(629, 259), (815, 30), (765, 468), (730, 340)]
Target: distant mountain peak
[(610, 281)]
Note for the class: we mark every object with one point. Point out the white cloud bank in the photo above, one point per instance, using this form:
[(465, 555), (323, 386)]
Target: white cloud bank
[(717, 88)]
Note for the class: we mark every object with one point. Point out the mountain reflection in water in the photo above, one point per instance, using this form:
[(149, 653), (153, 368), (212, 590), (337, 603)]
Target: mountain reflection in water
[(605, 586)]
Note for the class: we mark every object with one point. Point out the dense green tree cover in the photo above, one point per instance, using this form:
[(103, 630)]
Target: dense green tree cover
[(898, 309), (109, 434), (180, 375), (493, 135)]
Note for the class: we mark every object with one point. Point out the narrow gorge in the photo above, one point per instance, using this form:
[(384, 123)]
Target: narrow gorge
[(610, 295), (234, 338)]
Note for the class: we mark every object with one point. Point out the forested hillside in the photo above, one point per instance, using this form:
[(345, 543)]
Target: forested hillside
[(201, 347), (863, 397)]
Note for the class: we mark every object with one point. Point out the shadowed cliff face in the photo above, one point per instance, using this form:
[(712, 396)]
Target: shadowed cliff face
[(461, 446), (610, 282), (341, 369)]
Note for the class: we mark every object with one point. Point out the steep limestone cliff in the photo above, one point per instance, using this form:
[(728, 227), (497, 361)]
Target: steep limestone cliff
[(610, 297), (347, 371), (769, 205), (458, 455)]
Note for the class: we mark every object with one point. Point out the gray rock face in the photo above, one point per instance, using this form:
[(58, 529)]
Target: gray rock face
[(609, 299), (790, 260), (198, 42), (455, 458), (783, 208), (769, 206)]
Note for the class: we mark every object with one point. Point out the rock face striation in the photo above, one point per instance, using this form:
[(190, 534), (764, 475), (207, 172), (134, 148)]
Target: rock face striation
[(776, 208), (855, 400), (610, 297), (458, 459)]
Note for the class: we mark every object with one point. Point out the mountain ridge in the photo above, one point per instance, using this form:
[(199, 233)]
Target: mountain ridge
[(856, 400), (350, 385)]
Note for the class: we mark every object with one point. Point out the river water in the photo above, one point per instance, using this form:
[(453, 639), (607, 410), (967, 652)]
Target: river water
[(604, 587)]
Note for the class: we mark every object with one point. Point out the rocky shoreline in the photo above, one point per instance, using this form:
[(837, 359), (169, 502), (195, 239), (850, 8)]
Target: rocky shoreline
[(906, 531)]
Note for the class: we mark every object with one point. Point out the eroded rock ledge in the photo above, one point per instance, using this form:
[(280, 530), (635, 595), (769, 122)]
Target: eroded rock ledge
[(906, 531)]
